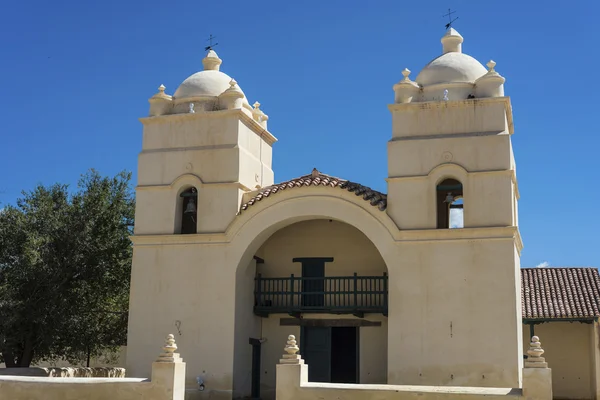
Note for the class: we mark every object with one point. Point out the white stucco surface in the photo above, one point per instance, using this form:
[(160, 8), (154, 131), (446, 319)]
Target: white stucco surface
[(203, 83), (451, 67)]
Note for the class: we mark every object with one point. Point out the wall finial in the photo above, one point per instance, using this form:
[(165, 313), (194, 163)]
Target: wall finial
[(535, 359), (259, 116), (491, 64), (291, 348), (168, 354), (406, 73)]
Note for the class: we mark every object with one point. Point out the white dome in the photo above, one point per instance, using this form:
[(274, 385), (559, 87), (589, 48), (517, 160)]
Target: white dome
[(203, 83), (209, 82), (451, 67)]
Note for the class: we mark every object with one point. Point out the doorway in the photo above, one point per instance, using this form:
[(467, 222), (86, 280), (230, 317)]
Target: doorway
[(313, 280), (331, 353)]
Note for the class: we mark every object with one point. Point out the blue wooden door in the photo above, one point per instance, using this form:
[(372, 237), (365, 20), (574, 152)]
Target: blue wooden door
[(313, 282), (316, 351)]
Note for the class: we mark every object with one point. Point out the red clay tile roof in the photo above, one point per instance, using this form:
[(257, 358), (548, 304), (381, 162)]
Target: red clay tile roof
[(316, 178), (560, 293)]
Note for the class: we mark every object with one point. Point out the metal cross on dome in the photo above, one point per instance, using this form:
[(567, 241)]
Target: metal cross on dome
[(450, 20), (210, 43)]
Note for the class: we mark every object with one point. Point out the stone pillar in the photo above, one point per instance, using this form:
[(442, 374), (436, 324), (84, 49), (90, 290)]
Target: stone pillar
[(168, 373), (537, 377), (291, 372)]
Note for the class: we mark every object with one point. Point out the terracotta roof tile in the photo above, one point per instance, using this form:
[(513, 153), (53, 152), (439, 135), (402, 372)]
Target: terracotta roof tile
[(560, 293), (316, 178)]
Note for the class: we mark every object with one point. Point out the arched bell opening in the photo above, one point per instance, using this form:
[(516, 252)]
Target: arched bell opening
[(449, 202), (189, 211)]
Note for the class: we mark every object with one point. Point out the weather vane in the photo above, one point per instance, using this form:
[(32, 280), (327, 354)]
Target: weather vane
[(210, 43), (450, 20)]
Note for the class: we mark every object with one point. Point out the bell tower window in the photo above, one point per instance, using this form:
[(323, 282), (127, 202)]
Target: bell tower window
[(189, 211), (449, 202)]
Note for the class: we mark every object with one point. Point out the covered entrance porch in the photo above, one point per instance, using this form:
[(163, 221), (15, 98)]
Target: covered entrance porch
[(326, 282)]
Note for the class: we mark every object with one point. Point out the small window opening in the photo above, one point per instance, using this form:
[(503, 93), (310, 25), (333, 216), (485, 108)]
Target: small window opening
[(449, 198), (456, 214), (189, 211)]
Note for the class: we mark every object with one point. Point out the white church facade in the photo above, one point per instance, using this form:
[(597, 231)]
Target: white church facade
[(377, 288)]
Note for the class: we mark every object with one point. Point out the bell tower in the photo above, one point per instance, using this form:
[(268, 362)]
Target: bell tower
[(203, 148), (450, 156), (452, 192)]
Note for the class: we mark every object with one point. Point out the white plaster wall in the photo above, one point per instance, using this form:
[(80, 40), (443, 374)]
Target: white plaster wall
[(207, 130), (419, 157), (351, 250), (569, 353), (147, 219), (188, 290), (162, 167), (446, 299), (449, 117), (374, 351)]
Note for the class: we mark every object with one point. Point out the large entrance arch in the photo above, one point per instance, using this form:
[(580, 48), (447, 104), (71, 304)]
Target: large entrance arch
[(329, 246)]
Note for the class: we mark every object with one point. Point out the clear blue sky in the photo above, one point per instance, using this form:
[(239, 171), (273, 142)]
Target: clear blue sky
[(77, 76)]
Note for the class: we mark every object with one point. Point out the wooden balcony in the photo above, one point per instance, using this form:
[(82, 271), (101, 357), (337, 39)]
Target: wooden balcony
[(293, 295)]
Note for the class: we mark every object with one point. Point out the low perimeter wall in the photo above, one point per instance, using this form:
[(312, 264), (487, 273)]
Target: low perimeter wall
[(30, 388), (292, 384), (167, 383), (66, 372)]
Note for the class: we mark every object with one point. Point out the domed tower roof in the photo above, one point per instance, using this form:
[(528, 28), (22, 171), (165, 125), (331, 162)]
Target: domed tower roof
[(453, 66), (210, 82)]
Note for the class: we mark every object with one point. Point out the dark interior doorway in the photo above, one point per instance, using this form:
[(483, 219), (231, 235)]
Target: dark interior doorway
[(344, 355), (331, 353)]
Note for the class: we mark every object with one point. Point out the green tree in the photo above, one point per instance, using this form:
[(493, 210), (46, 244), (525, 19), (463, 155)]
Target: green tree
[(65, 263)]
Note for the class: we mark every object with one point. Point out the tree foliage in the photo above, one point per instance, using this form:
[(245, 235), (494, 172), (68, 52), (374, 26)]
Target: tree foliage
[(65, 263)]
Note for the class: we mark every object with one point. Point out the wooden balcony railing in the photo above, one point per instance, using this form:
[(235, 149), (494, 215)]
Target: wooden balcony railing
[(331, 294)]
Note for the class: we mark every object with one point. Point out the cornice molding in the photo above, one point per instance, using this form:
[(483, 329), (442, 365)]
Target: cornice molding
[(467, 103), (248, 120), (420, 236), (204, 184), (426, 176)]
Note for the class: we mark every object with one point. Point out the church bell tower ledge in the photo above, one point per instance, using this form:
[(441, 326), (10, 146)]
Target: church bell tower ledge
[(491, 115), (243, 114)]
